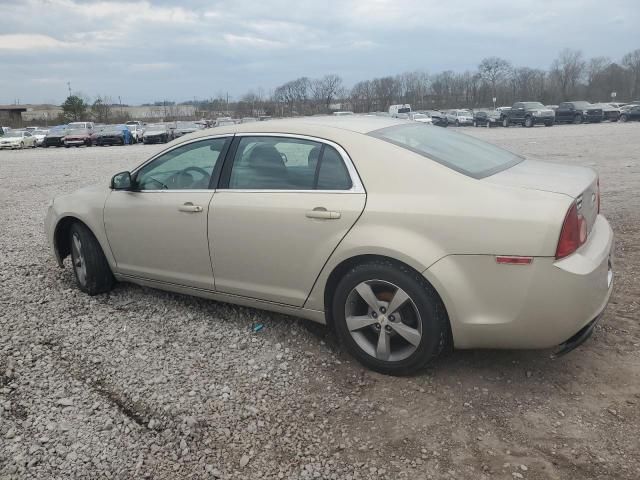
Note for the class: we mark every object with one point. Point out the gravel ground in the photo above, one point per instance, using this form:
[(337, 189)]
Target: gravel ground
[(145, 384)]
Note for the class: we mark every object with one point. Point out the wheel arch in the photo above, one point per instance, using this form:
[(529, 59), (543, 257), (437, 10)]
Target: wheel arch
[(345, 265), (61, 233)]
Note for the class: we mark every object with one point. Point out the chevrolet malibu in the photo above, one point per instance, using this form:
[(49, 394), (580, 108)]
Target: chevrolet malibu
[(405, 238)]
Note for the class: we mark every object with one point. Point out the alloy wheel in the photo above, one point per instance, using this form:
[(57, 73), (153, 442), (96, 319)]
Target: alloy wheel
[(383, 320), (79, 262)]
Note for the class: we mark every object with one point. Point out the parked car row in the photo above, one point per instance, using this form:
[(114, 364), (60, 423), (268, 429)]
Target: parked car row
[(529, 114)]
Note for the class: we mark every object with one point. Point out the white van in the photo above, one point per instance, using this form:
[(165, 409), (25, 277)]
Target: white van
[(396, 110)]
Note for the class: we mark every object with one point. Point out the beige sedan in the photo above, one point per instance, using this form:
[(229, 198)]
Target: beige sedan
[(406, 238), (17, 139)]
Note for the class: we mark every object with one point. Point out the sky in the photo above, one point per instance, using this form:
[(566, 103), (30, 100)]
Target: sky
[(150, 50)]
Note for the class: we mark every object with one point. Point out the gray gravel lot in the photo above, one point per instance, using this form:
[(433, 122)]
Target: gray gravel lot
[(141, 383)]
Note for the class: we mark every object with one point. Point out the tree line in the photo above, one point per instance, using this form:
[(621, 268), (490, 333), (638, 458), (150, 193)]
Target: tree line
[(570, 76)]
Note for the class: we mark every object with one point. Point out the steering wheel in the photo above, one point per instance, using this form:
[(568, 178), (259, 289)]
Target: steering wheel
[(201, 171)]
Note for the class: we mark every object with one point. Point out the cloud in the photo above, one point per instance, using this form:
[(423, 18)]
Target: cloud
[(149, 49), (29, 41), (151, 67), (249, 41)]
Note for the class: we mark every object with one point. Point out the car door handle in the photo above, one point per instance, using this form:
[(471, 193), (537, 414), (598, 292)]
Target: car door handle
[(190, 208), (322, 213)]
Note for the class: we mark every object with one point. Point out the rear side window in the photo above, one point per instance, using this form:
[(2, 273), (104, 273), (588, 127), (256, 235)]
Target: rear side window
[(285, 163), (333, 174), (457, 151)]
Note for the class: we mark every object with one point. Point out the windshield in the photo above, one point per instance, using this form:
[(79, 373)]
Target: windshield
[(114, 129), (187, 125), (78, 125), (533, 105), (155, 128), (39, 132), (457, 151), (420, 115), (77, 131), (13, 133)]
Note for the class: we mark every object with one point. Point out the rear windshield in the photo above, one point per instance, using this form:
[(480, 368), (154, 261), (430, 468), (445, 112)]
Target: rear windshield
[(457, 151)]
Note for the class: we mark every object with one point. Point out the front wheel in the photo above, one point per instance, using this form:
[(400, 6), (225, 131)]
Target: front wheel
[(21, 145), (548, 124), (475, 124), (505, 122), (389, 318), (90, 266), (577, 119), (624, 118), (528, 122)]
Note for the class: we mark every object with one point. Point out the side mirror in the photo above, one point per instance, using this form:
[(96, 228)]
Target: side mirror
[(122, 181)]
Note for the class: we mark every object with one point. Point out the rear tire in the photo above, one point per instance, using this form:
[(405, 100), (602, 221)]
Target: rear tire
[(90, 266), (548, 124), (374, 338)]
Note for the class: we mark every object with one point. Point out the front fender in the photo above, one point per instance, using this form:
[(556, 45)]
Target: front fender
[(85, 205)]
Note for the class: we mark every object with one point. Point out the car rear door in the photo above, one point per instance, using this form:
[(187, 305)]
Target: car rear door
[(159, 230), (565, 112), (283, 205)]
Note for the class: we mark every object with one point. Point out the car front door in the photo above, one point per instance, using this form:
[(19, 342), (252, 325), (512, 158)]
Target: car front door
[(158, 231), (517, 112), (283, 205)]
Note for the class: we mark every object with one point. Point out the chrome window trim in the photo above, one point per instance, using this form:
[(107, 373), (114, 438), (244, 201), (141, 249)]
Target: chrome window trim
[(356, 183)]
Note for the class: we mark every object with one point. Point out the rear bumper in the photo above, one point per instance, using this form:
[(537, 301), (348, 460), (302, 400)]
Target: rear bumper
[(540, 305), (579, 338)]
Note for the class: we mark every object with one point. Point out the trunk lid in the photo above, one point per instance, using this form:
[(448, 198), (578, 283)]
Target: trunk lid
[(579, 183)]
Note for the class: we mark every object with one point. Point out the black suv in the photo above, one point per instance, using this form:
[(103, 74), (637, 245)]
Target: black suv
[(578, 112), (528, 114), (630, 112)]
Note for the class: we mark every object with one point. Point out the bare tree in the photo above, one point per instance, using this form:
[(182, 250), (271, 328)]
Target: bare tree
[(494, 70), (567, 70), (595, 67), (632, 63), (327, 89), (363, 96), (101, 109)]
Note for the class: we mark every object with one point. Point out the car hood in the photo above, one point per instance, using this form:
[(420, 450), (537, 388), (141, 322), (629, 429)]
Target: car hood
[(548, 177)]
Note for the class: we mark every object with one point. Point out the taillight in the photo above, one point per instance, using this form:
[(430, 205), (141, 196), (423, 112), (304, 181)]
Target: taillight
[(598, 193), (573, 234)]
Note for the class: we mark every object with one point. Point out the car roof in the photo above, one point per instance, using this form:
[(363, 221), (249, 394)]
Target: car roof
[(307, 125)]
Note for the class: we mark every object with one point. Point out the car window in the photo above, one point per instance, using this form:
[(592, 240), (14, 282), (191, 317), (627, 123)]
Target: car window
[(188, 167), (333, 174), (457, 151), (274, 163)]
